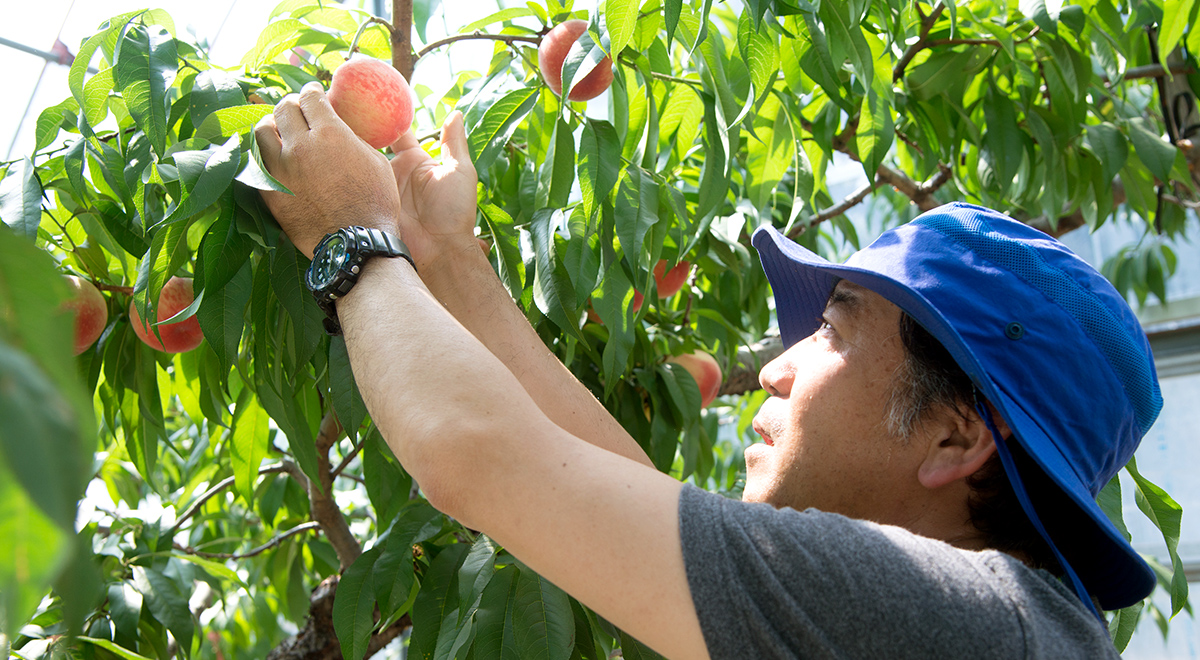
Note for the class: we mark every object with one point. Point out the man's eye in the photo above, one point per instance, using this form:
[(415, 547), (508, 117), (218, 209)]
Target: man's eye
[(824, 324)]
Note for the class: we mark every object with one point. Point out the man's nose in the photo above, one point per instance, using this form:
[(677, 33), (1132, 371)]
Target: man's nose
[(776, 376)]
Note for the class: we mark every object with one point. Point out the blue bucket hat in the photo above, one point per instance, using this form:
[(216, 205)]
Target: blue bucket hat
[(1046, 339)]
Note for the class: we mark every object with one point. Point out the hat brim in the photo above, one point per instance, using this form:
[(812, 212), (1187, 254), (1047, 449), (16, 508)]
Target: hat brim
[(1112, 570)]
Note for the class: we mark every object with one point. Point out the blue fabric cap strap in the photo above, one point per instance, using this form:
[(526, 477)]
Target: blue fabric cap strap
[(1043, 336)]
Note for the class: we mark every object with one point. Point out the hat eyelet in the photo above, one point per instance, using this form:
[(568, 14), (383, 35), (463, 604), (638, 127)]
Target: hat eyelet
[(1014, 331)]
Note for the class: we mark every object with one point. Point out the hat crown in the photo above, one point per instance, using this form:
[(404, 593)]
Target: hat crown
[(1067, 281)]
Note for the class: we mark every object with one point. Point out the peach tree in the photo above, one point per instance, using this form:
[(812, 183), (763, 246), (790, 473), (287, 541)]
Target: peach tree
[(234, 500)]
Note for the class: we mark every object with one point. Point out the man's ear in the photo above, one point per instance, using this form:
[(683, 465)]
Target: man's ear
[(960, 447)]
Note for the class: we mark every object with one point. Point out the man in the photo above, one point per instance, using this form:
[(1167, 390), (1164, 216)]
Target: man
[(923, 422)]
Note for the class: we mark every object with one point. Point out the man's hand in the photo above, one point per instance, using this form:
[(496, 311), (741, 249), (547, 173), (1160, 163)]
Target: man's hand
[(337, 179), (437, 200)]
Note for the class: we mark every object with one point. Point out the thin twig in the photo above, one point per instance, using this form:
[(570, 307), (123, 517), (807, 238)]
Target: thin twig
[(362, 440), (208, 495), (919, 44), (298, 529), (834, 211), (127, 290), (1152, 71), (363, 28), (910, 142), (509, 39)]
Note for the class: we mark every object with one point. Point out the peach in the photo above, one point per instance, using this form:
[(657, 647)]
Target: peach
[(91, 312), (705, 370), (670, 281), (553, 52), (178, 337), (373, 99)]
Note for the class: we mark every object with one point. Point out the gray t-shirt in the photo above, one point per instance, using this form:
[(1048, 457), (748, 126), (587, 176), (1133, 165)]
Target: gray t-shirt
[(771, 583)]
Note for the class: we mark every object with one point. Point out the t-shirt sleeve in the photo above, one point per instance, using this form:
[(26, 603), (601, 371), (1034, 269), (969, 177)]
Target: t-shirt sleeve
[(770, 583)]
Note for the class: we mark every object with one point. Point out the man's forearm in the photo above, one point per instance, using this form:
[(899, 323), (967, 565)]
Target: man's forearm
[(465, 283)]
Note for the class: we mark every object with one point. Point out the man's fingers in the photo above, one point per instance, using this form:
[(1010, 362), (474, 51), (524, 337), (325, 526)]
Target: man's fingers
[(405, 142), (289, 119), (269, 143), (454, 139), (316, 106)]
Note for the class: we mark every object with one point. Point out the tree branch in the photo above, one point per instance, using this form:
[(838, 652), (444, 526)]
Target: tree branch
[(222, 485), (1067, 220), (477, 35), (1152, 71), (318, 641), (402, 53), (743, 376), (911, 52), (850, 202), (320, 497), (304, 527)]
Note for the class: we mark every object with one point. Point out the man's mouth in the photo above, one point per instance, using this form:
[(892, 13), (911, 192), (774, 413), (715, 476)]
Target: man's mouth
[(758, 428)]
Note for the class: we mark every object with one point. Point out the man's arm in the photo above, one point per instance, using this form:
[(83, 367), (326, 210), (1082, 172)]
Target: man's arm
[(460, 423), (437, 221)]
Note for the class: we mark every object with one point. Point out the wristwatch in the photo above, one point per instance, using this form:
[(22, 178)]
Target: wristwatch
[(337, 262)]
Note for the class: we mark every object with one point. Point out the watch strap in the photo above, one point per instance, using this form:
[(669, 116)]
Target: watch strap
[(362, 243)]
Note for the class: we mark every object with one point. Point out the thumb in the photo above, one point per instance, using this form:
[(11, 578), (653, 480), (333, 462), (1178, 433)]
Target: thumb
[(454, 139)]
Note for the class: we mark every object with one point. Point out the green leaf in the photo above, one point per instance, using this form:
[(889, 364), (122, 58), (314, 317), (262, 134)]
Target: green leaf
[(1123, 623), (552, 289), (435, 602), (347, 402), (636, 212), (109, 646), (495, 636), (1175, 20), (876, 132), (671, 10), (620, 18), (1109, 146), (49, 121), (125, 609), (354, 606), (488, 138), (236, 120), (561, 165), (222, 314), (388, 486), (1156, 154), (583, 57), (1166, 514), (1110, 503), (249, 445), (714, 180), (214, 90), (21, 198), (255, 173), (631, 649), (475, 573), (393, 575), (1003, 138), (144, 71), (287, 278), (497, 17), (759, 51), (506, 241), (614, 303), (542, 619), (34, 550), (167, 600), (598, 163), (203, 177)]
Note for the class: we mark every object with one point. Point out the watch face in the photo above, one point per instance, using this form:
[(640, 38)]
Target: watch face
[(327, 261)]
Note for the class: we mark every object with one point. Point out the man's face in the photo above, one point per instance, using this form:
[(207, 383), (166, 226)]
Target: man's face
[(825, 441)]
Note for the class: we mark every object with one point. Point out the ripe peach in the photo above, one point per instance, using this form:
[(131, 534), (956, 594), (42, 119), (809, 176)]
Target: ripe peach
[(670, 281), (91, 312), (553, 52), (373, 99), (178, 337), (705, 370)]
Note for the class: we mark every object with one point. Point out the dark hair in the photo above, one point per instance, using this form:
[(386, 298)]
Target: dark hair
[(928, 380)]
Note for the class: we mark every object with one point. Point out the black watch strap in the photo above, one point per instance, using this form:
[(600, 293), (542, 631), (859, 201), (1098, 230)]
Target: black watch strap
[(362, 243)]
